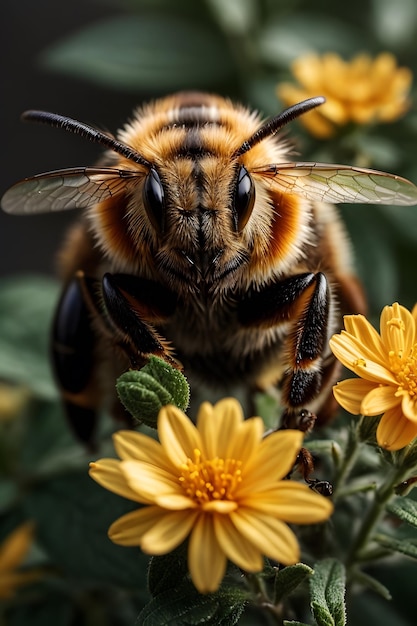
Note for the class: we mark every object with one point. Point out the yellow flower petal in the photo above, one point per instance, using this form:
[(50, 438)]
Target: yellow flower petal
[(108, 474), (237, 548), (371, 343), (335, 111), (271, 536), (247, 439), (150, 481), (379, 400), (362, 90), (16, 546), (206, 560), (414, 313), (308, 71), (351, 354), (394, 430), (409, 407), (397, 328), (131, 445), (129, 529), (168, 532), (291, 502), (316, 124), (218, 427), (350, 393), (263, 467), (174, 501), (11, 581), (155, 530), (219, 506), (178, 435)]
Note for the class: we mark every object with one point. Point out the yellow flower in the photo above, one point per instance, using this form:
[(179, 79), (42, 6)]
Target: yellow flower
[(387, 366), (361, 91), (219, 482), (12, 554)]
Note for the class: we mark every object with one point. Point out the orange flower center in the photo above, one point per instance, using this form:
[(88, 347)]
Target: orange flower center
[(207, 480), (405, 370)]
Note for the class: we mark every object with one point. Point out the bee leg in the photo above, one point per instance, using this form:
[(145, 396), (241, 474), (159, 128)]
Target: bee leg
[(119, 310), (133, 307), (72, 357), (305, 299)]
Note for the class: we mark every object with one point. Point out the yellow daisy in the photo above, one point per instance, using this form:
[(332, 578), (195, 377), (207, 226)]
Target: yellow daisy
[(361, 91), (219, 482), (387, 366)]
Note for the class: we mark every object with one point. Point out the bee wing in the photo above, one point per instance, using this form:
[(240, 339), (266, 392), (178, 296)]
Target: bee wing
[(340, 183), (65, 189)]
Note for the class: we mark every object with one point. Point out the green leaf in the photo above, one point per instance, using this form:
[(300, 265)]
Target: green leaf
[(268, 408), (394, 23), (144, 392), (371, 583), (153, 51), (235, 16), (405, 509), (26, 310), (184, 606), (327, 588), (409, 460), (72, 514), (285, 38), (288, 579), (165, 571), (48, 444), (366, 429), (142, 395), (404, 546), (171, 379)]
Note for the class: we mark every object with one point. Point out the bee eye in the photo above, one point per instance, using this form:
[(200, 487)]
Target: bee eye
[(244, 198), (154, 200)]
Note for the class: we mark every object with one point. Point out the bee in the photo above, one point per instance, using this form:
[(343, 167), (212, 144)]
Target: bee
[(201, 242)]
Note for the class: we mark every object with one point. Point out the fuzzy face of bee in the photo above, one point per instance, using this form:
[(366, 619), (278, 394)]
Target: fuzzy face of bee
[(201, 217), (201, 241)]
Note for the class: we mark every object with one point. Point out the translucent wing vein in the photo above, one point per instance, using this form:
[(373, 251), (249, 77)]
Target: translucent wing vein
[(65, 189), (340, 183)]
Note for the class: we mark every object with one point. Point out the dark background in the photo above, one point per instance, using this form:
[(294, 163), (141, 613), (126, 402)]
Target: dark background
[(28, 244)]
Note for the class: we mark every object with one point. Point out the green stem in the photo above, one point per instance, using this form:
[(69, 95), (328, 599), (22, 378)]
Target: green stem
[(349, 460), (258, 587), (382, 496)]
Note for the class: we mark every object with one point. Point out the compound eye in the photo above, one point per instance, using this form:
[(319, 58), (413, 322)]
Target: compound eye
[(154, 200), (244, 198)]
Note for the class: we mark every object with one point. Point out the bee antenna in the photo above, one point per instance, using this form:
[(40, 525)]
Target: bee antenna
[(272, 126), (84, 130)]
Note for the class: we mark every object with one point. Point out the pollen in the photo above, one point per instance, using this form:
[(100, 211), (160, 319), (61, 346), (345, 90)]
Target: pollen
[(359, 363), (210, 480), (405, 370)]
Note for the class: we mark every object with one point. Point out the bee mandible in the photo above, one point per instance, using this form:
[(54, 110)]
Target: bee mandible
[(201, 242)]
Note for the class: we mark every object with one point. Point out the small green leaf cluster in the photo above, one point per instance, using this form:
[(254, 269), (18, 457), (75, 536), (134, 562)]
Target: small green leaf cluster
[(144, 392)]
